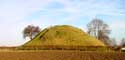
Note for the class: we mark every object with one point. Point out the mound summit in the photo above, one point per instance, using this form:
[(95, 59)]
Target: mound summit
[(63, 35)]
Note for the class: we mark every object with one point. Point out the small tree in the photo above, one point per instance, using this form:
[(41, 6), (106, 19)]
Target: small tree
[(123, 42), (30, 31), (112, 42), (99, 29)]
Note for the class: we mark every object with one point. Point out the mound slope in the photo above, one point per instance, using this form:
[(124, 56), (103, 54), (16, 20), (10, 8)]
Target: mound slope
[(63, 35)]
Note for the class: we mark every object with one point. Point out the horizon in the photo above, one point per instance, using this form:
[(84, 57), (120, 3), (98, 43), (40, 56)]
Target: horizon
[(15, 15)]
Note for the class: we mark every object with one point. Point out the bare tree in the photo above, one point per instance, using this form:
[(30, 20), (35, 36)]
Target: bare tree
[(123, 42), (113, 42), (99, 29), (30, 31)]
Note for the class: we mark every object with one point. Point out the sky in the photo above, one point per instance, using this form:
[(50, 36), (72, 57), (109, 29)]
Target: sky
[(17, 14)]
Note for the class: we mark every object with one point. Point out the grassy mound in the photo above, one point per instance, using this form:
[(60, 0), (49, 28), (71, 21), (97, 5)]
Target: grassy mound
[(63, 36)]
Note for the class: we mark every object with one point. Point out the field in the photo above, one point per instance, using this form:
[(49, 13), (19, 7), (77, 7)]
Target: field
[(60, 55)]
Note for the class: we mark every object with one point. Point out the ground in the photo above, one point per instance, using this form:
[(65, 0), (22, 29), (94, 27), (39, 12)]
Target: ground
[(60, 55)]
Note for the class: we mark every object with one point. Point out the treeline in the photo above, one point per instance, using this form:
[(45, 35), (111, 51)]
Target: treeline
[(8, 48)]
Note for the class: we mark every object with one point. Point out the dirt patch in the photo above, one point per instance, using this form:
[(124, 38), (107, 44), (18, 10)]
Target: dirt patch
[(60, 55)]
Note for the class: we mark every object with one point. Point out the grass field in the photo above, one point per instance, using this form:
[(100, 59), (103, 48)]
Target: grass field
[(60, 55)]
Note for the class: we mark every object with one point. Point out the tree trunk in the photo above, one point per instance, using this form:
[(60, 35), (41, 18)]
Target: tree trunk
[(30, 36)]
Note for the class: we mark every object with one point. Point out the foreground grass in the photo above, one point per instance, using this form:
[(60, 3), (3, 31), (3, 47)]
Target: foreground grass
[(60, 55)]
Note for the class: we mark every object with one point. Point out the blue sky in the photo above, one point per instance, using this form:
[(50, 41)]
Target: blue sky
[(16, 14)]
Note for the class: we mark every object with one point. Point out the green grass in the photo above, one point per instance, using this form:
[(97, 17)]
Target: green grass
[(64, 35)]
